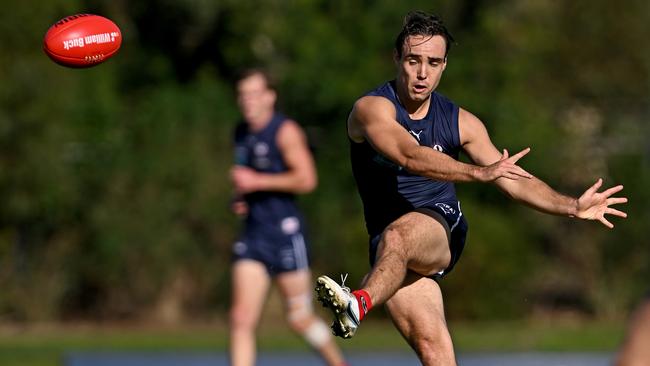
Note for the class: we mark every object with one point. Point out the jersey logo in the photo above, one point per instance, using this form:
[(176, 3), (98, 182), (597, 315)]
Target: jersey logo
[(438, 148), (240, 248), (446, 208), (416, 134), (261, 148), (290, 225), (261, 159)]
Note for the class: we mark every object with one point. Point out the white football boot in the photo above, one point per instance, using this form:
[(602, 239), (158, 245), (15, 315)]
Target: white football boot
[(341, 302)]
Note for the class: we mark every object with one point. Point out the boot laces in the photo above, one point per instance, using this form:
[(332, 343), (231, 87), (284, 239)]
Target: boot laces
[(343, 278)]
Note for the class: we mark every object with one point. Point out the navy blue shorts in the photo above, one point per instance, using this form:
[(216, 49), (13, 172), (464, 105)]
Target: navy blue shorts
[(280, 248), (457, 225)]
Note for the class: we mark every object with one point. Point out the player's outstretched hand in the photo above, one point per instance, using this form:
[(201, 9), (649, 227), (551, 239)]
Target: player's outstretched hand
[(594, 205), (506, 168)]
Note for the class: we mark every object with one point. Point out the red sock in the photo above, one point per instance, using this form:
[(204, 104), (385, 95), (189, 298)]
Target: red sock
[(365, 304)]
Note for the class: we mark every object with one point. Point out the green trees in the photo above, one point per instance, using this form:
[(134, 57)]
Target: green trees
[(114, 179)]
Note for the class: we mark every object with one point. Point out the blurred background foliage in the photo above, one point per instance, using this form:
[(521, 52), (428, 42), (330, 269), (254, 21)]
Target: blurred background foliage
[(114, 184)]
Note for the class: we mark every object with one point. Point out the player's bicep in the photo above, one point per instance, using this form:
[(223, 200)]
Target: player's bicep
[(374, 119), (294, 148), (478, 145)]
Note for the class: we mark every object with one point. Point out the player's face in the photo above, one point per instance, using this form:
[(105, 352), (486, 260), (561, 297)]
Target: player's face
[(420, 66), (254, 98)]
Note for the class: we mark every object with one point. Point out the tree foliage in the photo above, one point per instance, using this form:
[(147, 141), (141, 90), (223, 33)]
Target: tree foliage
[(114, 179)]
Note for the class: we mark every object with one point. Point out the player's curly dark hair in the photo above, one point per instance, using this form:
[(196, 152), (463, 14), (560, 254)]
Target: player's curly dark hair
[(418, 23)]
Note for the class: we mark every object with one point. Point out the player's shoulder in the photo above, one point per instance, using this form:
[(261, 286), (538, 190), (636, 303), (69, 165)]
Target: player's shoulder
[(381, 94), (373, 104), (290, 128), (467, 117), (470, 126), (290, 123), (283, 122)]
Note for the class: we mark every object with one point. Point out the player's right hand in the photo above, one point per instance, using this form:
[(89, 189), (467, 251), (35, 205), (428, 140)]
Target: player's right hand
[(505, 168), (244, 179), (239, 207)]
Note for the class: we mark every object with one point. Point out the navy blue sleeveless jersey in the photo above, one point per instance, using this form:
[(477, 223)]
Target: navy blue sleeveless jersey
[(259, 151), (274, 225), (388, 191)]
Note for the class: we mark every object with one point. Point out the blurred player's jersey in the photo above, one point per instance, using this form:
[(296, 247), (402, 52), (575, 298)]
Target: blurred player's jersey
[(259, 151), (273, 232), (387, 190)]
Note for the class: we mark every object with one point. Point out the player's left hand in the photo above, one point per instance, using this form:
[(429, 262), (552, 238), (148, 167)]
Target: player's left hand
[(594, 205), (244, 179)]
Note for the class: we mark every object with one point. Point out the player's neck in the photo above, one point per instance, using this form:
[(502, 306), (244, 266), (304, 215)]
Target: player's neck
[(259, 121), (417, 109)]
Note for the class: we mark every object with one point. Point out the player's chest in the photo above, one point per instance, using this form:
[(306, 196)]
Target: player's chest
[(255, 152)]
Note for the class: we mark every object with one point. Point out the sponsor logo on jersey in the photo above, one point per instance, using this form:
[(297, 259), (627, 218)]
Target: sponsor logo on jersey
[(240, 248), (446, 208), (261, 148), (416, 134), (290, 225)]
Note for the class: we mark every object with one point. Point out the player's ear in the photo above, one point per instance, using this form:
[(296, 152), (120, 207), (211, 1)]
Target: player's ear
[(273, 96), (444, 64)]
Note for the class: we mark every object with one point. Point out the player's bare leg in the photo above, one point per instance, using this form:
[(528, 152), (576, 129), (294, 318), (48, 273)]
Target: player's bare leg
[(416, 242), (250, 284), (418, 313)]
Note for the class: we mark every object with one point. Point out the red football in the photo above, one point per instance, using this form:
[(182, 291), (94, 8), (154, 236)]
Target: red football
[(82, 40)]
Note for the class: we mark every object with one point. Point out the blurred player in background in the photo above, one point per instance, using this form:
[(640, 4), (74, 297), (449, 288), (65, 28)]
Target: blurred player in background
[(272, 164), (635, 350), (405, 141)]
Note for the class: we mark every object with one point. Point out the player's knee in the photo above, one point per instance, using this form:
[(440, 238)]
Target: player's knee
[(429, 347), (241, 318), (302, 320), (424, 345), (298, 325), (393, 241), (299, 312)]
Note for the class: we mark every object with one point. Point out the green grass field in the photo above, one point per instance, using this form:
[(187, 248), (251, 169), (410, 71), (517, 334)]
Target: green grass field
[(45, 345)]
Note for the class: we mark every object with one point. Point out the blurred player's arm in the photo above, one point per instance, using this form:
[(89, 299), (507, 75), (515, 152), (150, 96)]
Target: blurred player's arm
[(373, 119), (300, 177), (592, 205)]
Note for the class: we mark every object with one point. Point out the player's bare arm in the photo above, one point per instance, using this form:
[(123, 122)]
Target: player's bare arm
[(592, 205), (373, 119), (300, 177)]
